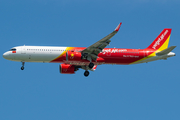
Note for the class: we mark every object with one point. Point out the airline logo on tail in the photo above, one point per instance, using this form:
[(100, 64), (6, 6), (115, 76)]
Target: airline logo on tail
[(160, 39)]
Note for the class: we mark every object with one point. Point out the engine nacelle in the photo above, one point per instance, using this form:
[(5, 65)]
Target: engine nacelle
[(73, 56), (66, 69)]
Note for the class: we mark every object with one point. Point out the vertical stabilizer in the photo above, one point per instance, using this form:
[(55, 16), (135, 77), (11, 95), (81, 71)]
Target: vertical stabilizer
[(162, 41)]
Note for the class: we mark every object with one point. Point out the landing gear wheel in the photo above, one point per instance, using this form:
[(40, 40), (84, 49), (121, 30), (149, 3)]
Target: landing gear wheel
[(91, 65), (86, 73), (22, 68)]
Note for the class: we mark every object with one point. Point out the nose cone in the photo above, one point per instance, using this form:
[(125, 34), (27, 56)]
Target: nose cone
[(6, 55)]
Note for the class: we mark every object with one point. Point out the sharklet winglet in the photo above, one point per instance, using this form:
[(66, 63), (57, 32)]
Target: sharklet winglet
[(117, 28)]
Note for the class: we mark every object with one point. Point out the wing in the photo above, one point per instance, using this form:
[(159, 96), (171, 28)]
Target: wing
[(92, 51)]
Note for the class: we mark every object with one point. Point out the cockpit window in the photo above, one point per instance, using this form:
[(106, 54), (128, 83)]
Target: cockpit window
[(13, 49)]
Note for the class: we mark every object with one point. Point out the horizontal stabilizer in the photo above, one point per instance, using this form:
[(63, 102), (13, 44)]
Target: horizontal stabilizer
[(166, 51)]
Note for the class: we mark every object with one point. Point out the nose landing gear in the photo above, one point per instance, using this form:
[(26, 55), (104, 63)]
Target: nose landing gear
[(22, 68)]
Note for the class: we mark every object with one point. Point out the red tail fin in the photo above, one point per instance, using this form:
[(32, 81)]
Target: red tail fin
[(162, 41)]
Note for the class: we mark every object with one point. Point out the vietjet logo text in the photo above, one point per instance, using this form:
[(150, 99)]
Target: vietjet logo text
[(159, 39)]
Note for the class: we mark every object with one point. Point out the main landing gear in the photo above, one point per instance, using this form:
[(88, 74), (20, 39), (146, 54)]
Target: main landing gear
[(86, 73), (22, 68), (88, 67), (91, 65)]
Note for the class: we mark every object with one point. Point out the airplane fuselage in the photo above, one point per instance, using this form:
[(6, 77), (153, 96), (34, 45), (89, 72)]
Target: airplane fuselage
[(59, 55)]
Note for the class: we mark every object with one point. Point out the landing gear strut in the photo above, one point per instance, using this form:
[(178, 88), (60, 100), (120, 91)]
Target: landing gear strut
[(86, 73), (22, 68)]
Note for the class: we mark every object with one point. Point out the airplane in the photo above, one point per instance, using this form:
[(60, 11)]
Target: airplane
[(87, 58)]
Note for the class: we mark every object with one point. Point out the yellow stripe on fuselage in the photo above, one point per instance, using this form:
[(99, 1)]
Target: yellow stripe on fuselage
[(64, 52)]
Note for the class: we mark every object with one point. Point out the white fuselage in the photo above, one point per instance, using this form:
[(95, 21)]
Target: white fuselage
[(34, 53)]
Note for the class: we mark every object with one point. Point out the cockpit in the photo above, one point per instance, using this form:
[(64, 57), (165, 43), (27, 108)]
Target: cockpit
[(12, 49)]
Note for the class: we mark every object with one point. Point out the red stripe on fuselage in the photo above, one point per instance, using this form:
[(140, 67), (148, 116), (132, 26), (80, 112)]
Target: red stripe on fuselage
[(111, 56)]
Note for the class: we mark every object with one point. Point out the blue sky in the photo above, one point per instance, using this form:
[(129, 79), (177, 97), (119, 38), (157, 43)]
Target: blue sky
[(136, 92)]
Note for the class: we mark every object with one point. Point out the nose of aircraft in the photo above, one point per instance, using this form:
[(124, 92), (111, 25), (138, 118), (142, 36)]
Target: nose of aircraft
[(5, 55)]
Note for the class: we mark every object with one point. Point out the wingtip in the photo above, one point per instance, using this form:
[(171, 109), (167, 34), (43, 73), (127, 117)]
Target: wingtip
[(118, 27)]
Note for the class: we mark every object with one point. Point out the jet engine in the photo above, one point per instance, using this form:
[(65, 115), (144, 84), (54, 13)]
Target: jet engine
[(66, 69)]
